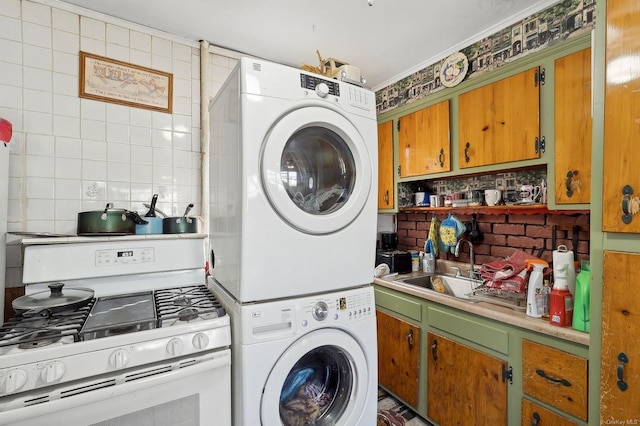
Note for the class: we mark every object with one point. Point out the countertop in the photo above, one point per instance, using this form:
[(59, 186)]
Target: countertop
[(487, 310)]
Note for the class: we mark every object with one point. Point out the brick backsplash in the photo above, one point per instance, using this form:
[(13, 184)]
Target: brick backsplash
[(502, 234)]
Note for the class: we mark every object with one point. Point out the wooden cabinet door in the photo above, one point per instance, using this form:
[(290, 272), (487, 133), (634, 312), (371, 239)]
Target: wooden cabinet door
[(424, 141), (499, 122), (464, 386), (399, 357), (620, 366), (621, 186), (385, 166), (573, 128), (534, 414)]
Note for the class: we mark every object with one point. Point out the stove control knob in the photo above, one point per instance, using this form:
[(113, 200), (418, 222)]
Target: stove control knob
[(119, 358), (52, 372), (322, 90), (200, 341), (12, 381), (174, 347), (320, 311)]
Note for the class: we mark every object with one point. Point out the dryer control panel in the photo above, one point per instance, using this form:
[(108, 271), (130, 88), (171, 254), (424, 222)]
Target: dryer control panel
[(312, 82)]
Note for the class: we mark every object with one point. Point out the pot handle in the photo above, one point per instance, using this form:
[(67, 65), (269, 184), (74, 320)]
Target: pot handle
[(103, 216), (137, 218)]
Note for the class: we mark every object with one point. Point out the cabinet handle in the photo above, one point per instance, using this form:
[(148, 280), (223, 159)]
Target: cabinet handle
[(622, 385), (386, 197), (466, 152), (535, 420), (570, 175), (434, 350), (628, 209), (410, 338), (563, 382), (441, 157)]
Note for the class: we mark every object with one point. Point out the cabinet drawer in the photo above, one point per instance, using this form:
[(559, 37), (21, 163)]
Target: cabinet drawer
[(482, 334), (534, 414), (555, 377), (399, 304)]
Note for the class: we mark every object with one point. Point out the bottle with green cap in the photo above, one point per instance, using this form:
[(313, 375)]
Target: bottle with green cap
[(581, 299)]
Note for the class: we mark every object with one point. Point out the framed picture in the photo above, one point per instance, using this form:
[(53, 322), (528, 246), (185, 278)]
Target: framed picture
[(118, 82)]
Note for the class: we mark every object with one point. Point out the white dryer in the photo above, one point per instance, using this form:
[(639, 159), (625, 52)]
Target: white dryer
[(293, 183), (309, 360)]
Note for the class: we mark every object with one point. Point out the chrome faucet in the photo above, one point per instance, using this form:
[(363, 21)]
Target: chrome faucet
[(473, 274)]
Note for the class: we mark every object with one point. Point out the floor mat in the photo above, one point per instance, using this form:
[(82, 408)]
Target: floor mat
[(392, 412)]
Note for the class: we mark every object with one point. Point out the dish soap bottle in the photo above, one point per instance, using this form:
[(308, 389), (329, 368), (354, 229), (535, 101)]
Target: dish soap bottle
[(535, 292), (582, 304)]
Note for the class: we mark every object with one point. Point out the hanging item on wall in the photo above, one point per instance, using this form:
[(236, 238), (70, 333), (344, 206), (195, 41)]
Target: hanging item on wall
[(454, 69), (118, 82), (6, 130)]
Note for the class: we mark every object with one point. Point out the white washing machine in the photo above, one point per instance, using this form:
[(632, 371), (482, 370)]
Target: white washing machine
[(308, 360), (293, 183)]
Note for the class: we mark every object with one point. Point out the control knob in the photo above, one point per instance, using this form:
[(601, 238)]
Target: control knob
[(13, 381), (119, 358), (320, 311), (322, 90), (174, 347), (52, 372), (200, 341)]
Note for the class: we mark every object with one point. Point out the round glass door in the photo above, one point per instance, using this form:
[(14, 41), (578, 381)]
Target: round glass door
[(317, 383), (316, 170)]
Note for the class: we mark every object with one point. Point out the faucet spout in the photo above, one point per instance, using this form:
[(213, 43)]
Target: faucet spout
[(472, 260)]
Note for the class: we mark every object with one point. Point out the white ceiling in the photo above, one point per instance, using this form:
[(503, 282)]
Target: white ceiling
[(387, 41)]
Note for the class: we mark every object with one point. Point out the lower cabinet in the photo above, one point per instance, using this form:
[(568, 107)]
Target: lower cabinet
[(399, 357), (555, 377), (464, 385), (534, 414)]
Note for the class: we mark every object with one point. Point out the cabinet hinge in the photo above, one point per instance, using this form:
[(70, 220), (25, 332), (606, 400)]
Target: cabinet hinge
[(507, 373), (540, 145), (399, 170), (539, 77), (398, 125)]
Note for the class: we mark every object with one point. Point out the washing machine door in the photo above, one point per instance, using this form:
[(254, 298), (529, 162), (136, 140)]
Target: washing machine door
[(316, 170), (317, 382)]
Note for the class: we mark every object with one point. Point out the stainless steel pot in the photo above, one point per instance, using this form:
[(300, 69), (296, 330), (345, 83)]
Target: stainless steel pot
[(45, 303), (109, 221), (180, 224)]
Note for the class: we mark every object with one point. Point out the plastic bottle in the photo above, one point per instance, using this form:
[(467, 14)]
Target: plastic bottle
[(429, 263), (561, 300), (535, 292), (582, 299)]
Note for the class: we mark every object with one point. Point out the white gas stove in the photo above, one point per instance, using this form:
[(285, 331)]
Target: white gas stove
[(152, 328)]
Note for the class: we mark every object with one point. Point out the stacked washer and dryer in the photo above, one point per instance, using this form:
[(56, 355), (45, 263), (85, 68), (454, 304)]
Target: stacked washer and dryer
[(293, 178)]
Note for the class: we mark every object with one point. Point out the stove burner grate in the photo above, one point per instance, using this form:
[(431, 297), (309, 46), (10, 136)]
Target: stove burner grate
[(35, 332), (187, 303)]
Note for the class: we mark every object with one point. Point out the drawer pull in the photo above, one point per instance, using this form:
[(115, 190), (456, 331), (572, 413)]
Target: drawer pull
[(434, 350), (622, 385), (536, 419), (563, 382)]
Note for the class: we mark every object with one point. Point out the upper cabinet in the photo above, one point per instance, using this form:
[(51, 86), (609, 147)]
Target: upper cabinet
[(385, 166), (424, 141), (573, 128), (500, 122), (621, 185)]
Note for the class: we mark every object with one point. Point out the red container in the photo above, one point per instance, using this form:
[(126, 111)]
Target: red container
[(561, 307)]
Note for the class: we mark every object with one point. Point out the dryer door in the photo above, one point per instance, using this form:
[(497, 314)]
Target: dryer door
[(316, 382), (316, 170)]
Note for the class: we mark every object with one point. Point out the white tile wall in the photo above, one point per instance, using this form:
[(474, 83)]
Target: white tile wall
[(70, 154)]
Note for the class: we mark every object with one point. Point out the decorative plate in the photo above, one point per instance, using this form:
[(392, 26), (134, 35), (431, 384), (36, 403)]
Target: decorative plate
[(454, 69)]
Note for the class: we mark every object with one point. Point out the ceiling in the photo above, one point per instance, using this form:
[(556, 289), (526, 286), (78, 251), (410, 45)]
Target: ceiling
[(387, 40)]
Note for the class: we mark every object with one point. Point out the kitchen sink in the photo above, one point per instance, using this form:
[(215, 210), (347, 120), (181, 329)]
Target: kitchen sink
[(458, 287), (462, 288)]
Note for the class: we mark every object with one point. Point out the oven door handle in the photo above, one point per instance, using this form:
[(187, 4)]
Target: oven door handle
[(208, 362)]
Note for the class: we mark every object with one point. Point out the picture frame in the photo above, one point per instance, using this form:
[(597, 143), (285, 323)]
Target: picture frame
[(110, 80)]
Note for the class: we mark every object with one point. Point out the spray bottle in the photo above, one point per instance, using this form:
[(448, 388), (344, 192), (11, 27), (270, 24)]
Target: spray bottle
[(535, 292)]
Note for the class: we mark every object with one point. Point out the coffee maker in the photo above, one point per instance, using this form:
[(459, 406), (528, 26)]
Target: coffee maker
[(398, 261)]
